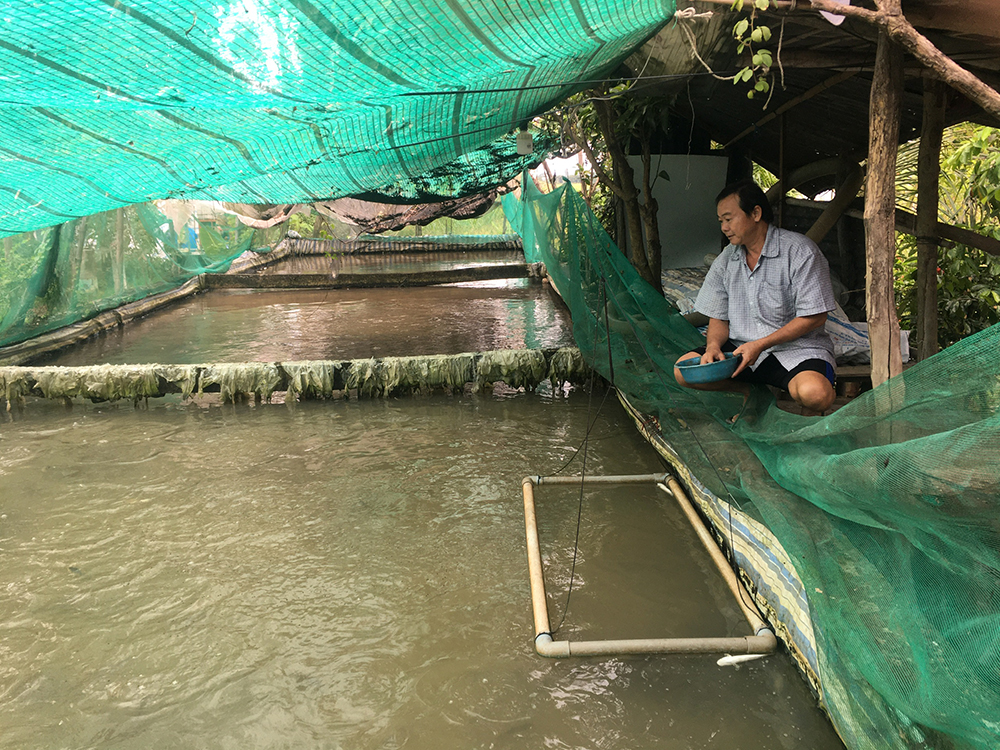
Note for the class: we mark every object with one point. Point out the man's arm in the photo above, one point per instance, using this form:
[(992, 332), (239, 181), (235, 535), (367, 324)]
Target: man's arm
[(792, 330)]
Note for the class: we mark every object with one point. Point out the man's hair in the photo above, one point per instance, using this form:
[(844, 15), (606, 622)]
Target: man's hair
[(749, 195)]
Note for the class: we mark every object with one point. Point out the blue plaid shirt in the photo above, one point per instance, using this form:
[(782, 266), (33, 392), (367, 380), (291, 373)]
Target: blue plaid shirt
[(791, 280)]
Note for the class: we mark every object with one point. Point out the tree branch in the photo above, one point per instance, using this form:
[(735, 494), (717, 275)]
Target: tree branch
[(599, 170)]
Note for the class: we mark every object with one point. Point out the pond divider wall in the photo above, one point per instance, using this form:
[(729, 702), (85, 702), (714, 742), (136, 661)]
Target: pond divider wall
[(363, 245), (314, 379), (355, 280)]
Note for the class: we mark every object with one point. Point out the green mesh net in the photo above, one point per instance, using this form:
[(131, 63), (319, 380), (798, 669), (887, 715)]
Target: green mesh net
[(108, 103), (56, 276), (887, 506)]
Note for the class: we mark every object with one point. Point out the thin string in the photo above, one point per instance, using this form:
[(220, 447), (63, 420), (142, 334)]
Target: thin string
[(704, 452), (583, 471)]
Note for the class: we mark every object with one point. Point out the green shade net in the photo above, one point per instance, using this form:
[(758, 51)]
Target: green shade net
[(56, 276), (109, 103), (887, 507)]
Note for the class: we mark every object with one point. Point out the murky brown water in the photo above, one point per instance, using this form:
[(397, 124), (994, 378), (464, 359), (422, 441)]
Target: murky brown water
[(290, 325), (353, 574)]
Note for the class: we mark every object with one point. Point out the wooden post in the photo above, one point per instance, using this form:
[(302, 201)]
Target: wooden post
[(880, 205), (928, 172), (781, 171)]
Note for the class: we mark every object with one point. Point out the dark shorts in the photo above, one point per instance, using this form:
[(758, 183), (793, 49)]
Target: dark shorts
[(771, 372)]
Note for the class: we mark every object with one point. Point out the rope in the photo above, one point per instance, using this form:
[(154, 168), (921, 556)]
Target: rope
[(694, 50), (583, 469), (687, 14)]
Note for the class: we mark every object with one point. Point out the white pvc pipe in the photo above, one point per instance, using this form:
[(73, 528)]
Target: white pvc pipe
[(589, 479), (762, 642)]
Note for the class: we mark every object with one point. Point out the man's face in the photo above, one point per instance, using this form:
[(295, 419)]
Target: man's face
[(738, 226)]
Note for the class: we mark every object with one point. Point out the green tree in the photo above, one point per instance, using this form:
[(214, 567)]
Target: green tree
[(605, 124), (968, 278)]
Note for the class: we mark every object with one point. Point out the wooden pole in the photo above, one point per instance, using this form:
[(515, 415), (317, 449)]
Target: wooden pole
[(928, 172), (781, 170), (118, 272), (880, 206)]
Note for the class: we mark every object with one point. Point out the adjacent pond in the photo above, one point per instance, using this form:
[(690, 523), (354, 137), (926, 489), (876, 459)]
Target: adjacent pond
[(289, 325)]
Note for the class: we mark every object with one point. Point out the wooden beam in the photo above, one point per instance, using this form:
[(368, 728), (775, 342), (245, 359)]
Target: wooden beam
[(891, 21), (880, 206), (928, 173), (976, 17), (805, 173), (847, 191), (907, 223), (815, 90)]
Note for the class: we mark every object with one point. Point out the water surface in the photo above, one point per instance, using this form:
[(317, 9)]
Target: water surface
[(353, 575), (291, 325)]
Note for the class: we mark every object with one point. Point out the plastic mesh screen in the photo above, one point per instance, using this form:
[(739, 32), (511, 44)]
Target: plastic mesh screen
[(108, 103), (60, 275), (887, 506)]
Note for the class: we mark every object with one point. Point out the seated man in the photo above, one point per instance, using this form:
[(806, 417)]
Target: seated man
[(766, 297)]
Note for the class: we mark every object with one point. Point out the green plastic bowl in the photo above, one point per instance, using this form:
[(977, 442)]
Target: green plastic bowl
[(694, 372)]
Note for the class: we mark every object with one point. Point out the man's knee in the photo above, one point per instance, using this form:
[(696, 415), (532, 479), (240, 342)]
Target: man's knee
[(812, 390), (677, 371)]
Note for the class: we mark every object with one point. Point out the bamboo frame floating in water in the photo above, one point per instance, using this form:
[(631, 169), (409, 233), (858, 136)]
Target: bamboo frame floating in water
[(762, 642), (313, 379)]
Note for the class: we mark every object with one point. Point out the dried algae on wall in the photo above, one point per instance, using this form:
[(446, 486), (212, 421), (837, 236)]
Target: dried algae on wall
[(318, 379)]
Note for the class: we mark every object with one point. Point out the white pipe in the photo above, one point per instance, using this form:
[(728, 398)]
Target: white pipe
[(588, 479), (762, 642), (539, 607), (757, 645)]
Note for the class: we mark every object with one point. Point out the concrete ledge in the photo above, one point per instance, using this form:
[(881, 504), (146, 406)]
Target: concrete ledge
[(365, 280)]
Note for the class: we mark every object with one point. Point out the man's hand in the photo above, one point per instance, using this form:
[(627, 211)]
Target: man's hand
[(748, 354), (718, 334), (712, 354)]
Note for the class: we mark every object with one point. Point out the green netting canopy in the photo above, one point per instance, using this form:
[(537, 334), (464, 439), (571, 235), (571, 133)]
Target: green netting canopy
[(108, 103)]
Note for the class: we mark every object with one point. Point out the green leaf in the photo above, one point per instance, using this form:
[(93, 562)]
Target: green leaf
[(741, 27), (765, 58), (663, 174), (737, 5), (765, 32), (762, 4), (750, 94), (761, 85), (757, 34), (757, 59), (747, 74)]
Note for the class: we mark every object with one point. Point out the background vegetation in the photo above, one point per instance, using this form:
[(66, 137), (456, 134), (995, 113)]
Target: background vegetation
[(968, 279)]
